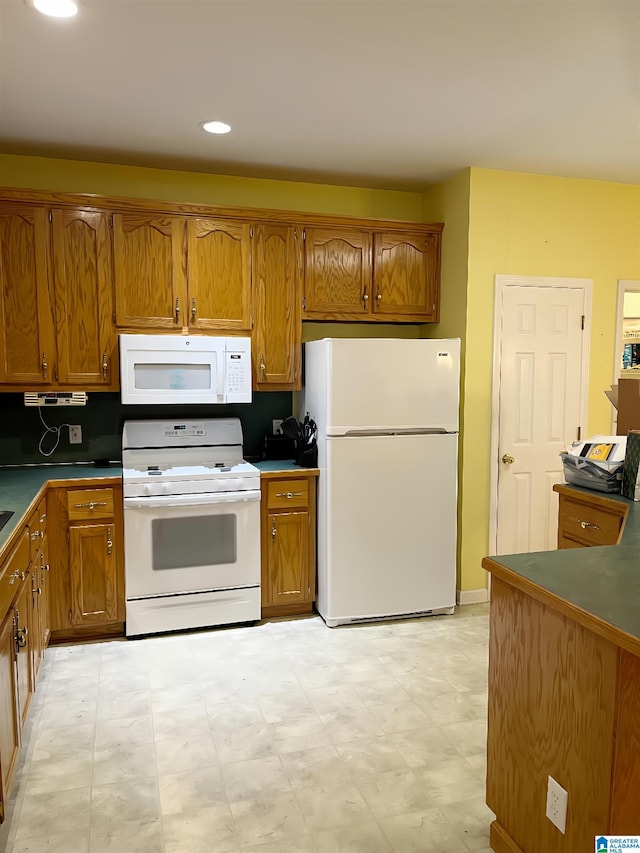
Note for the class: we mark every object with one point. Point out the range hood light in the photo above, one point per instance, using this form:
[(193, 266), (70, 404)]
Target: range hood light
[(56, 8)]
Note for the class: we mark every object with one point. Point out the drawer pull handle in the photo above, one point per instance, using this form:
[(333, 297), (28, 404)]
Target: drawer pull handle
[(289, 495), (588, 525), (91, 505)]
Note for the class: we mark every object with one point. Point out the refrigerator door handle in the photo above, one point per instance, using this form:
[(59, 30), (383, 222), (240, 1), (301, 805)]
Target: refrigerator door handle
[(421, 431)]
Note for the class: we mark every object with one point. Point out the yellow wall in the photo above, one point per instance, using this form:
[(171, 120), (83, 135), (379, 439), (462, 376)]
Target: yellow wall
[(200, 188), (448, 202), (523, 224)]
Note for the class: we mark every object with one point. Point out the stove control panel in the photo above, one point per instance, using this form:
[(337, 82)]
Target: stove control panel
[(190, 429)]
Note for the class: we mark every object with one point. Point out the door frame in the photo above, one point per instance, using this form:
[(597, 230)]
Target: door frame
[(501, 283), (625, 285)]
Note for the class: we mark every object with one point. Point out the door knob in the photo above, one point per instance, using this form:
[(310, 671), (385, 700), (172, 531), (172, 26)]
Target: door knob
[(508, 459)]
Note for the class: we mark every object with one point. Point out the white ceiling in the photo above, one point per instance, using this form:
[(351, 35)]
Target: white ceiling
[(380, 93)]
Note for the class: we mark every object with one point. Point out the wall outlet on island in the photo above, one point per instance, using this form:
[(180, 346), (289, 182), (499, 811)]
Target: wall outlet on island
[(75, 434), (277, 426), (557, 799)]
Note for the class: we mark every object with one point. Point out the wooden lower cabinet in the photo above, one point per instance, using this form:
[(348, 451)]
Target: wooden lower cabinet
[(588, 519), (9, 713), (288, 543), (87, 578), (20, 651)]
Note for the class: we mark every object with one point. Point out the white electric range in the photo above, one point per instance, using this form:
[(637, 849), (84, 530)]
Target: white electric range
[(191, 525)]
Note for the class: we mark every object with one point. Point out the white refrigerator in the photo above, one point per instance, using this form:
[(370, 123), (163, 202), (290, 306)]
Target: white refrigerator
[(387, 417)]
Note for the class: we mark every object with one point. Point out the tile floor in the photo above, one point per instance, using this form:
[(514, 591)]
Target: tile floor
[(285, 737)]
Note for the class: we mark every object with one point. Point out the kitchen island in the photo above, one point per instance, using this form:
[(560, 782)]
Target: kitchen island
[(564, 692)]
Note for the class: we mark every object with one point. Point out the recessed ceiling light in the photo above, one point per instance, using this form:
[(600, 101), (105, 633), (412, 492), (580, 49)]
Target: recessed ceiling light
[(215, 127), (56, 8)]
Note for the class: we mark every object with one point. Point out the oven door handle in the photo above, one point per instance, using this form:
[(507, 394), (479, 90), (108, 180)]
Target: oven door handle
[(204, 499)]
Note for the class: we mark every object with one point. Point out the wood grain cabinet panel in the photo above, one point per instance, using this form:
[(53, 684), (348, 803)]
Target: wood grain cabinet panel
[(288, 511), (149, 271), (587, 520), (277, 334), (27, 350), (9, 719), (82, 277), (218, 274), (337, 273), (87, 562), (405, 275), (94, 584)]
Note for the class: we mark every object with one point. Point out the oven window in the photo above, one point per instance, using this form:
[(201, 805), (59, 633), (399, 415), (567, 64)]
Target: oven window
[(182, 543), (172, 377)]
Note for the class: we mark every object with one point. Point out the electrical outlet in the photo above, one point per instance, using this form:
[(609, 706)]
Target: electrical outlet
[(75, 434), (277, 426), (557, 799)]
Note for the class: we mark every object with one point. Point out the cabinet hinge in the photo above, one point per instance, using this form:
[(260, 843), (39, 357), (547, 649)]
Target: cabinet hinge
[(304, 234), (251, 231), (304, 303), (308, 590), (582, 322), (113, 316), (111, 222), (50, 216), (579, 433)]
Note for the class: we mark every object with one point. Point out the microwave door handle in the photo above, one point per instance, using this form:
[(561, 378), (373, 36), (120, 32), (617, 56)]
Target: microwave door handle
[(221, 370)]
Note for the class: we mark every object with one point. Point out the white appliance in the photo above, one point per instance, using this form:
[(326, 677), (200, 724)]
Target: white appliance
[(184, 369), (191, 525), (387, 416)]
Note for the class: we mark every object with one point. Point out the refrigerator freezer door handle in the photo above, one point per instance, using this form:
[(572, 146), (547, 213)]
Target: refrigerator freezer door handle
[(421, 431)]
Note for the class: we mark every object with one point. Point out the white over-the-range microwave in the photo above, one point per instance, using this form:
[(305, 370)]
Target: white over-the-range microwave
[(177, 369)]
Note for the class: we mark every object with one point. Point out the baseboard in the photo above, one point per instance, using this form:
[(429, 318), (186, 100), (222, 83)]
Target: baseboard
[(500, 841), (472, 596)]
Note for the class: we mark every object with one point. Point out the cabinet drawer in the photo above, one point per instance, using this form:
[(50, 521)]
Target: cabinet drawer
[(90, 503), (590, 525), (12, 572), (283, 494)]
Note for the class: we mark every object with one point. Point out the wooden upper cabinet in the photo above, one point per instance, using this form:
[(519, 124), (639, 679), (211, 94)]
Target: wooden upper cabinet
[(81, 260), (27, 349), (277, 331), (405, 275), (218, 274), (149, 271), (337, 273)]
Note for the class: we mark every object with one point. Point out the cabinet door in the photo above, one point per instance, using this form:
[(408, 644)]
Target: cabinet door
[(405, 275), (81, 256), (149, 271), (9, 719), (92, 564), (337, 273), (219, 274), (276, 341), (287, 578), (25, 638), (27, 355)]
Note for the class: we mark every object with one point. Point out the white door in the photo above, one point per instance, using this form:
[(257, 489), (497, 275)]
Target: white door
[(540, 408)]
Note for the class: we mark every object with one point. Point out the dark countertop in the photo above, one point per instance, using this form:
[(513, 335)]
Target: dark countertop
[(603, 583), (20, 485)]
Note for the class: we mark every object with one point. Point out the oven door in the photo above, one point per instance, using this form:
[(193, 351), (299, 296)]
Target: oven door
[(191, 543)]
